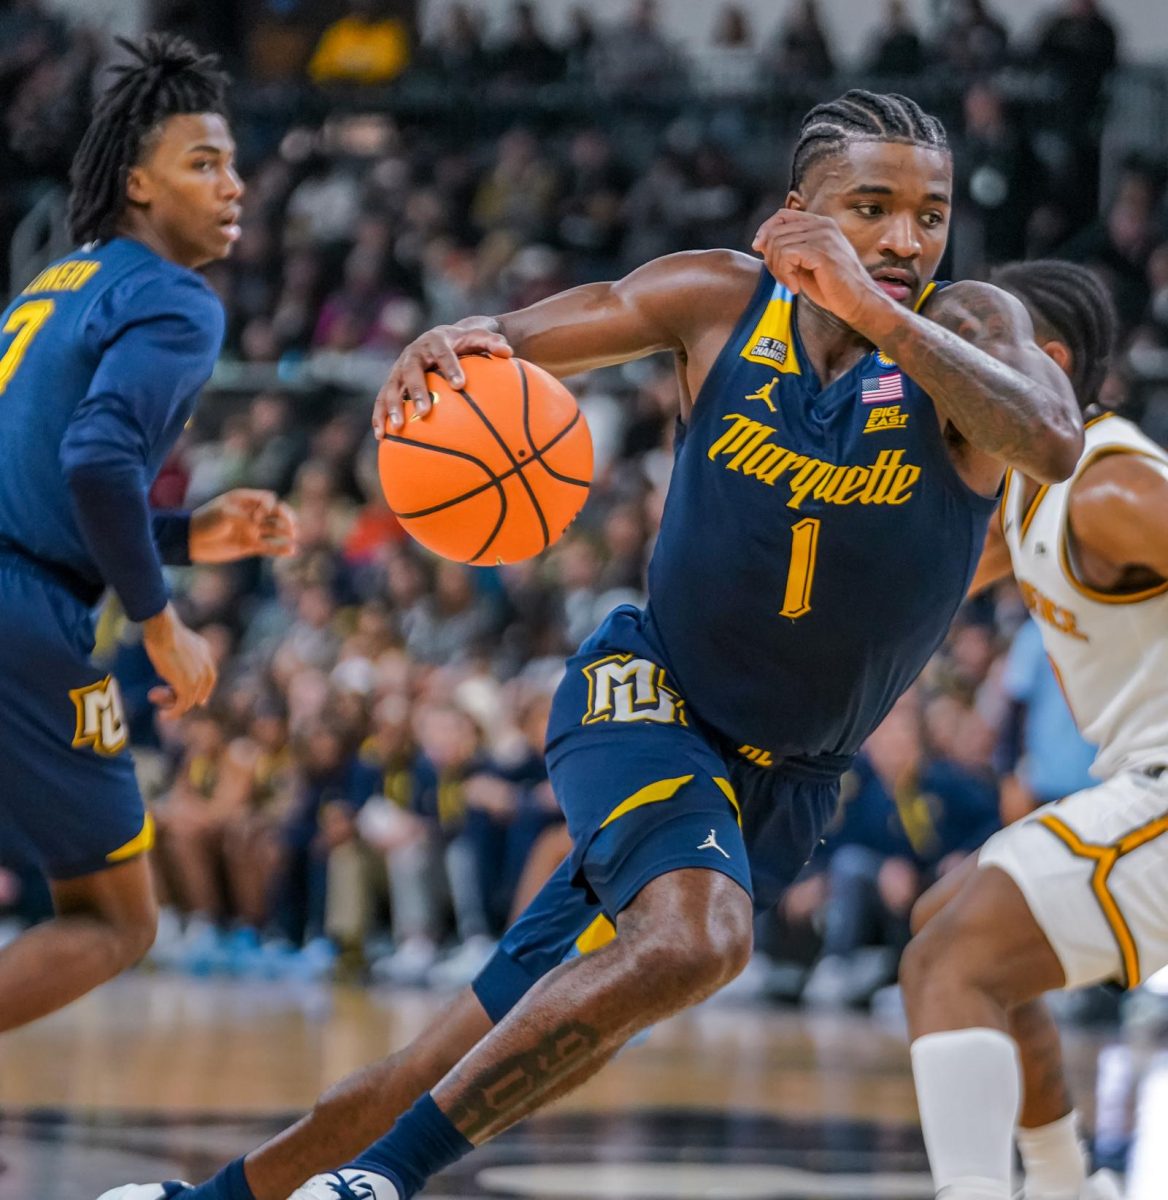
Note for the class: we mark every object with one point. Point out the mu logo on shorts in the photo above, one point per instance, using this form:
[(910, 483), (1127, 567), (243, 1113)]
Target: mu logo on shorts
[(101, 720), (624, 688)]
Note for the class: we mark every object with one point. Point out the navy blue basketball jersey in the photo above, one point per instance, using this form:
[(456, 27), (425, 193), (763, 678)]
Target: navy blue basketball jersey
[(102, 356), (815, 544)]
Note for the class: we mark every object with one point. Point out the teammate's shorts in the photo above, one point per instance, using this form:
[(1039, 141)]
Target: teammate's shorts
[(1094, 871), (645, 791), (69, 800)]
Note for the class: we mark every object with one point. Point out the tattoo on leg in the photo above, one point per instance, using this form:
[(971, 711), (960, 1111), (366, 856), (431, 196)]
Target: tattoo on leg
[(487, 1099)]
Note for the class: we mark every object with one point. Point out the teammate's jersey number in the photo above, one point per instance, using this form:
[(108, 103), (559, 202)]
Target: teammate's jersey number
[(801, 573), (25, 322)]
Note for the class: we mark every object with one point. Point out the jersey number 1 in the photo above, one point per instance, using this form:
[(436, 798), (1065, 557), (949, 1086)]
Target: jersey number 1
[(25, 322), (801, 573)]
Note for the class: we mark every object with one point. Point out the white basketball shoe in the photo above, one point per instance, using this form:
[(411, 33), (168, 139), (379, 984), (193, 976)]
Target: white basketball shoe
[(348, 1183), (169, 1190), (1103, 1185)]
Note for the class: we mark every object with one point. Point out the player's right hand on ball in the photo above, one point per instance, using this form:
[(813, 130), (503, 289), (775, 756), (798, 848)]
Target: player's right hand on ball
[(183, 658), (436, 350)]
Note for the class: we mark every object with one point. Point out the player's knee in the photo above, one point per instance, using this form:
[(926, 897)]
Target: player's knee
[(703, 952), (950, 952), (921, 960), (921, 913), (137, 937)]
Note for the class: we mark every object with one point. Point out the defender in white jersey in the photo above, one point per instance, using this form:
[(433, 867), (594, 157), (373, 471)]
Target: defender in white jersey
[(1076, 893)]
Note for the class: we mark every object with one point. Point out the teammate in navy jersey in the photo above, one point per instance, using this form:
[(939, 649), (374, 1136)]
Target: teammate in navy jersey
[(845, 425), (101, 358)]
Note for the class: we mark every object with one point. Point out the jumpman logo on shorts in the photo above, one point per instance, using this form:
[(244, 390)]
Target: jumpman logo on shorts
[(711, 843)]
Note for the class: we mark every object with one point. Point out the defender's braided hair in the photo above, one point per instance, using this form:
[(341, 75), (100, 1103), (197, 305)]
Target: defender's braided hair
[(1070, 304), (169, 76), (862, 116)]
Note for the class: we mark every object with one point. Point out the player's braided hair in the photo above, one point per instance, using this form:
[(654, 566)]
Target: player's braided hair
[(1069, 303), (859, 115), (167, 76)]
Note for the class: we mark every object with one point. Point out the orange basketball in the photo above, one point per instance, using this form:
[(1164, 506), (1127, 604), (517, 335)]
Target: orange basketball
[(498, 469)]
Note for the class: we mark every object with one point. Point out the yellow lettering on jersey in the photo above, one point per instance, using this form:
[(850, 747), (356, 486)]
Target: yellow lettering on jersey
[(746, 447), (760, 758), (623, 688), (771, 342), (889, 417), (1050, 613), (764, 394), (101, 721), (69, 276)]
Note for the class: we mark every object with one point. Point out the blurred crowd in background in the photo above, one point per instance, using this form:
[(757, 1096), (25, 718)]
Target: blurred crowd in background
[(365, 794)]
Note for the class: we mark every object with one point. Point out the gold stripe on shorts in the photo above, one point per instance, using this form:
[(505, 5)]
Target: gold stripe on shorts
[(1105, 857)]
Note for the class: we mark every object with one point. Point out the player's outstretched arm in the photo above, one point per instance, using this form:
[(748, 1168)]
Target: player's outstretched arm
[(656, 307), (975, 354)]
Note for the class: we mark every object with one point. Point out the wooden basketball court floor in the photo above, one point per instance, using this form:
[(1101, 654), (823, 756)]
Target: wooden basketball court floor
[(159, 1077)]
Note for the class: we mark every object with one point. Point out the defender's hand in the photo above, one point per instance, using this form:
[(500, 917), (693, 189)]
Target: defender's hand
[(242, 523), (183, 659), (437, 350), (808, 253)]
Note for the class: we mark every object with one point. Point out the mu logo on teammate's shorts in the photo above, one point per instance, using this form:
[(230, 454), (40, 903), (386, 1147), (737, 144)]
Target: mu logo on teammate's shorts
[(624, 688), (101, 720)]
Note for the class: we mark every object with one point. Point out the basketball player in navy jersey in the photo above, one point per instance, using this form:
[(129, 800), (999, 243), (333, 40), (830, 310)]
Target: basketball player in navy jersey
[(812, 552), (101, 358)]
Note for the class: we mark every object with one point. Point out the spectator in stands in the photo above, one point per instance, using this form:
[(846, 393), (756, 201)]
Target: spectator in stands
[(367, 46), (1119, 243), (524, 56), (580, 44), (971, 39), (897, 49), (431, 866), (803, 52), (456, 51), (331, 782), (913, 814), (732, 28), (1043, 755), (1000, 184), (635, 58), (448, 625), (510, 806), (1080, 43), (518, 192), (191, 828)]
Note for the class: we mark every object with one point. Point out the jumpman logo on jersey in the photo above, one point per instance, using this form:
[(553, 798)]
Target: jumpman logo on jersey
[(711, 843), (764, 394)]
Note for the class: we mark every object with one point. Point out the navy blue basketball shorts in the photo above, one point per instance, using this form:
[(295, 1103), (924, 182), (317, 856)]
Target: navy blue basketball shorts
[(647, 791), (69, 799)]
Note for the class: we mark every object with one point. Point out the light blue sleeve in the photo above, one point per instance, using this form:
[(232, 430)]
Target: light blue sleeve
[(1025, 663)]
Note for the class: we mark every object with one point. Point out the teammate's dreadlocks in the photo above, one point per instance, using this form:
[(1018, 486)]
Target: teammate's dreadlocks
[(1068, 303), (862, 116), (168, 76)]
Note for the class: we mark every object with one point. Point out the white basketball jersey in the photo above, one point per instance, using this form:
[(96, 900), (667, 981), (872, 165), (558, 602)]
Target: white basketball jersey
[(1110, 652)]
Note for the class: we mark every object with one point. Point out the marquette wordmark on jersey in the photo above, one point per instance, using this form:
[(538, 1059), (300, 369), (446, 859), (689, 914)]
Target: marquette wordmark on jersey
[(746, 447)]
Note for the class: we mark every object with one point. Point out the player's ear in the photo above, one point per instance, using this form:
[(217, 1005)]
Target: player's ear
[(137, 186), (795, 200), (1060, 352)]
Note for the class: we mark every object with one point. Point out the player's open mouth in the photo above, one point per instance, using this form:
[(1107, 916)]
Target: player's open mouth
[(899, 285), (230, 226)]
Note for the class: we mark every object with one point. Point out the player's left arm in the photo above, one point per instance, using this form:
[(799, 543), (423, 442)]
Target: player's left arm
[(973, 352), (1119, 512)]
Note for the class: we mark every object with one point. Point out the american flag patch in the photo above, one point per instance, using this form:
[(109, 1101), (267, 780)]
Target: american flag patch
[(880, 389)]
